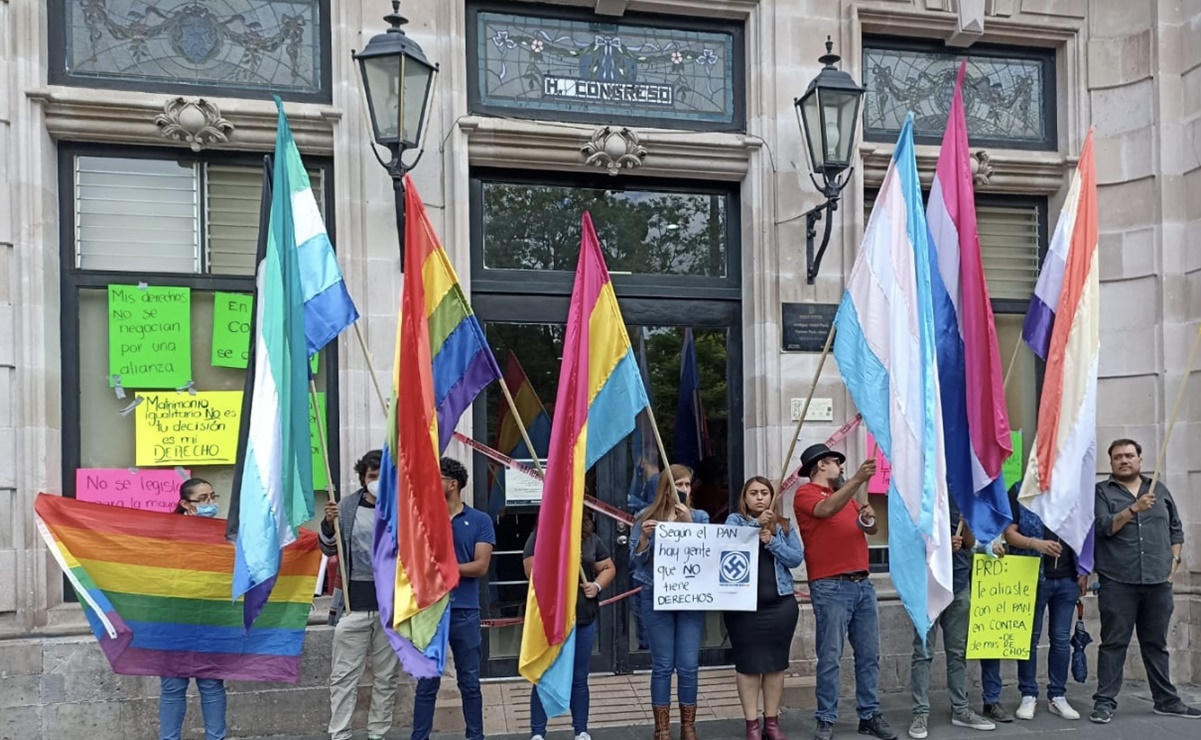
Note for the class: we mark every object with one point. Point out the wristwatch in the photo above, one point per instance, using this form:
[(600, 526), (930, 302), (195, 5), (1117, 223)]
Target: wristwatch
[(1177, 559), (598, 587)]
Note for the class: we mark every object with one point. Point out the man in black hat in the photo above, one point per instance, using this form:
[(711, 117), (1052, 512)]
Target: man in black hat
[(844, 600)]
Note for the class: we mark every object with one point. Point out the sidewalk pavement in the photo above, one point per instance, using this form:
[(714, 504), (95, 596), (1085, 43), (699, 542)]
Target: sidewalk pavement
[(1133, 720)]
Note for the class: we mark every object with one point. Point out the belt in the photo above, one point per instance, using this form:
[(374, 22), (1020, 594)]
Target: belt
[(856, 577)]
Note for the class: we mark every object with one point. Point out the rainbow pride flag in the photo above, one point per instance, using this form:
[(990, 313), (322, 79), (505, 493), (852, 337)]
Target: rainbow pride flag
[(442, 363), (155, 588), (600, 395)]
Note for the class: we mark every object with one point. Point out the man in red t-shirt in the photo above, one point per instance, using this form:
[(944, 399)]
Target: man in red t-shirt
[(844, 600)]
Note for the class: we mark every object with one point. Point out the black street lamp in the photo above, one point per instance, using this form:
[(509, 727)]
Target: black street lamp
[(399, 81), (828, 114)]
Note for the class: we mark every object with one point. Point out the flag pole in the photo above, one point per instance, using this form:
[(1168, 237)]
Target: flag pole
[(796, 433), (331, 491), (1013, 360), (379, 391), (1163, 449), (650, 412)]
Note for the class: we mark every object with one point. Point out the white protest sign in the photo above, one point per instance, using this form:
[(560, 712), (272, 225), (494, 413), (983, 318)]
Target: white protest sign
[(521, 489), (706, 567)]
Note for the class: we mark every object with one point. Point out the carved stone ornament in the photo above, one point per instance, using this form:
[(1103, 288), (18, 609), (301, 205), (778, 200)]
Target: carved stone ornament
[(981, 167), (614, 150), (197, 123)]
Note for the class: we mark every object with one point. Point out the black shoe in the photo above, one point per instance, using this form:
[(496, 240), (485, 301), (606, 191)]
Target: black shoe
[(997, 713), (877, 727), (823, 731), (1101, 715), (1181, 710)]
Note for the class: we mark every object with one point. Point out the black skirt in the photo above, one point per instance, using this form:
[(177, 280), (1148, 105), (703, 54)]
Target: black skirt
[(762, 639)]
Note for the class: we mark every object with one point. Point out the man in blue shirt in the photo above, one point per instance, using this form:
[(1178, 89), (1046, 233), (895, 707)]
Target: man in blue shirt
[(474, 539)]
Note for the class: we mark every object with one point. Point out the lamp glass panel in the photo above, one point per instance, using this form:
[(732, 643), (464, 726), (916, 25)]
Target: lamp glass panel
[(382, 77), (812, 117), (839, 108), (417, 78)]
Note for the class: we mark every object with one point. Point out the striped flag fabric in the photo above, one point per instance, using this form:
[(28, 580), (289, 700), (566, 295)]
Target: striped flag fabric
[(643, 450), (508, 428), (974, 412), (442, 362), (600, 394), (273, 482), (1058, 485), (155, 590), (885, 348), (1040, 315)]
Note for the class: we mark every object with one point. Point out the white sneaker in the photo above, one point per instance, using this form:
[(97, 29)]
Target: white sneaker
[(583, 736), (1059, 705), (537, 737), (1026, 708)]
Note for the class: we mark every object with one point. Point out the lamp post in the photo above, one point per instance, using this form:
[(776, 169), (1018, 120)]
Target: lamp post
[(399, 81), (828, 114)]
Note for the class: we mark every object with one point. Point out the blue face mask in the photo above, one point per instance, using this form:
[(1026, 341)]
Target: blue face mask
[(206, 510)]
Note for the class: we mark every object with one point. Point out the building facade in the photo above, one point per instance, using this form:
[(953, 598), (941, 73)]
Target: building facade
[(131, 142)]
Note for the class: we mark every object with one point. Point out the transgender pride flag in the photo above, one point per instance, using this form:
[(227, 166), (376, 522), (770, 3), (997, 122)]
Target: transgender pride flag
[(885, 348), (975, 418), (1061, 473)]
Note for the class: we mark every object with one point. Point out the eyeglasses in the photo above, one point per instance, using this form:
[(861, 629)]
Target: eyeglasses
[(209, 498)]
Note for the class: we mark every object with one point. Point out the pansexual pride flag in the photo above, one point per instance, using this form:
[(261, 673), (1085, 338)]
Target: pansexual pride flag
[(975, 417), (1061, 472), (442, 362), (600, 394), (155, 589), (885, 348)]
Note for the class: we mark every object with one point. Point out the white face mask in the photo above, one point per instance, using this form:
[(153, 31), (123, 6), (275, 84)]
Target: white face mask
[(373, 488)]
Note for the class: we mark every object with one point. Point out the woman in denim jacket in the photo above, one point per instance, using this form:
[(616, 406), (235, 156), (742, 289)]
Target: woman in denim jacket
[(675, 636), (761, 639)]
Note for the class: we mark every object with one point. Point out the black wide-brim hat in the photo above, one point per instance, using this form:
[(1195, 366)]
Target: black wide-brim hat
[(816, 453)]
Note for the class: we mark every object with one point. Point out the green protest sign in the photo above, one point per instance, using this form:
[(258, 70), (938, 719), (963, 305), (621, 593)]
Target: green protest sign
[(320, 481), (1011, 469), (149, 336), (231, 329)]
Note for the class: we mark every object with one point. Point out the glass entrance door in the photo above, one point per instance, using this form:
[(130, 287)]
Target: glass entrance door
[(700, 426)]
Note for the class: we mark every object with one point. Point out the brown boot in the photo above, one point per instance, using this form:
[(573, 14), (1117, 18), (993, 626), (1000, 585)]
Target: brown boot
[(687, 722), (771, 729), (752, 729), (662, 723)]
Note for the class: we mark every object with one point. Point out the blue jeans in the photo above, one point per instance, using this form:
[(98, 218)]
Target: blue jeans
[(465, 645), (990, 680), (585, 636), (675, 639), (1056, 596), (846, 609), (173, 705)]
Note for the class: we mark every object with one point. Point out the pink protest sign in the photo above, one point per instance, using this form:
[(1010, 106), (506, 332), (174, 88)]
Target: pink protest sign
[(155, 489), (879, 481)]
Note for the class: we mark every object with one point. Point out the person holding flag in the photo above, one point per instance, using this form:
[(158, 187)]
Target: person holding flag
[(597, 572)]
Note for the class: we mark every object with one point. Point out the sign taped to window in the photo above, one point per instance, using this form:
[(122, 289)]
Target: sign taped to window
[(520, 489), (149, 336)]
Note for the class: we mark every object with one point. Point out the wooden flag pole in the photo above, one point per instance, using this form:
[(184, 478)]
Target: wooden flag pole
[(525, 435), (1013, 360), (379, 391), (331, 492), (1163, 449), (796, 433)]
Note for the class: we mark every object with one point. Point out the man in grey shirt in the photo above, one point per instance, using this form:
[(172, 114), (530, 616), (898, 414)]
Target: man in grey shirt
[(1137, 550)]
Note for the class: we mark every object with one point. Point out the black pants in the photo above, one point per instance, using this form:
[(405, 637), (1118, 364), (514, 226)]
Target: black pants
[(1126, 608)]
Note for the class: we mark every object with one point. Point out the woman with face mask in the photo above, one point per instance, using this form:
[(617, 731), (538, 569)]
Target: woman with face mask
[(196, 498)]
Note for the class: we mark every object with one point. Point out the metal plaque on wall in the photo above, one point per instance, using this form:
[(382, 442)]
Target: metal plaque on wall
[(804, 326)]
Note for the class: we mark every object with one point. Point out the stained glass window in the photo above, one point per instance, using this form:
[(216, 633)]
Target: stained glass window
[(244, 48), (1009, 95), (570, 68)]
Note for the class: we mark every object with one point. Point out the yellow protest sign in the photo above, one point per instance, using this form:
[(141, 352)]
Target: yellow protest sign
[(1002, 620), (183, 429)]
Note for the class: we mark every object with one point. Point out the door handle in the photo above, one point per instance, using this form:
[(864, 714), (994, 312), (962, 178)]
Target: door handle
[(623, 540)]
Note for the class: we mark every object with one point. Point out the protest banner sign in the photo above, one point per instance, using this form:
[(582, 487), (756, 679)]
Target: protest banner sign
[(1002, 619), (187, 429), (320, 482), (149, 336), (1011, 469), (879, 482), (231, 329), (153, 489), (706, 567)]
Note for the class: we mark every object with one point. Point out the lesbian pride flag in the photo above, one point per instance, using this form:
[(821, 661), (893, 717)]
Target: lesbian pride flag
[(1061, 473), (600, 394)]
